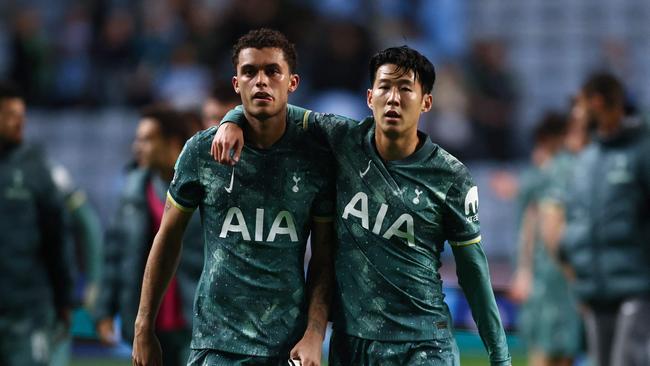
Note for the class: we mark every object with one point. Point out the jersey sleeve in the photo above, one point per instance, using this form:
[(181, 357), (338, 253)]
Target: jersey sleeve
[(474, 279), (185, 191), (461, 219)]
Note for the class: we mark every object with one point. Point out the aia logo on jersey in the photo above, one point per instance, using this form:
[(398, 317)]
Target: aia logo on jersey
[(471, 204)]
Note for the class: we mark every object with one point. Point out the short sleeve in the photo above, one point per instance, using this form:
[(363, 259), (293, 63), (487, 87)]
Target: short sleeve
[(185, 190), (461, 218)]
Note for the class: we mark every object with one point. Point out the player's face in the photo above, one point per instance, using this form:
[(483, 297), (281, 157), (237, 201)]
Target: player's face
[(149, 144), (12, 120), (397, 101), (264, 82), (213, 112)]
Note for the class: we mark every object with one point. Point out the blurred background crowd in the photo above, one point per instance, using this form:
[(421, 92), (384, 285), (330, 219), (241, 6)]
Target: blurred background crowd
[(87, 67)]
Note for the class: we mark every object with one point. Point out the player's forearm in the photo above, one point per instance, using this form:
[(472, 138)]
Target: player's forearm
[(320, 277), (320, 281), (474, 279), (527, 240), (161, 265)]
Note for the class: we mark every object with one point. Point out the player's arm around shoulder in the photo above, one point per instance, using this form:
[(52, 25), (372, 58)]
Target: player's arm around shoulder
[(320, 282), (161, 265)]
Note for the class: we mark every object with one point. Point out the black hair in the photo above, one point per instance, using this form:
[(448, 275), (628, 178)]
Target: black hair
[(9, 90), (552, 125), (406, 59), (608, 86), (266, 38), (172, 123)]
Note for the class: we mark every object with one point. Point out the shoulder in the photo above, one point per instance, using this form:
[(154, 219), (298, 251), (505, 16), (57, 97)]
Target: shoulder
[(446, 163)]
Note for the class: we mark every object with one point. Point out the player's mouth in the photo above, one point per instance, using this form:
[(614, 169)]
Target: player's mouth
[(262, 96), (392, 115)]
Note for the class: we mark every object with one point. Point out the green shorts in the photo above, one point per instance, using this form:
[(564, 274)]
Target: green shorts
[(213, 357), (349, 350)]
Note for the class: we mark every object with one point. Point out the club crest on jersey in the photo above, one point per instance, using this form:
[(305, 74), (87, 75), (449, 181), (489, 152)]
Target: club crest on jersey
[(402, 227), (295, 187), (416, 200), (471, 204)]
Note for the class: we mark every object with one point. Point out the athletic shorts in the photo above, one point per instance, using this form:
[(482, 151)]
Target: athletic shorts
[(213, 357), (346, 350)]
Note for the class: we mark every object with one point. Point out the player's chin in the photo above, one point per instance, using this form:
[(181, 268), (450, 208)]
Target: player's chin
[(391, 129)]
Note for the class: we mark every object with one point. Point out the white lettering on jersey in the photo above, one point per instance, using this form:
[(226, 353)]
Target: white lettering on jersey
[(239, 228), (471, 201), (259, 224), (396, 229), (350, 209), (276, 229), (284, 224), (380, 218)]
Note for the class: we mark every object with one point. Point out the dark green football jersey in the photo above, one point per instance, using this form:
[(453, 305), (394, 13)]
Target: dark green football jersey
[(256, 219), (393, 219)]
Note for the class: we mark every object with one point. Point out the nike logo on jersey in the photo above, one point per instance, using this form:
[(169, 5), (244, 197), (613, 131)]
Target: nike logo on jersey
[(363, 173), (402, 227), (232, 180)]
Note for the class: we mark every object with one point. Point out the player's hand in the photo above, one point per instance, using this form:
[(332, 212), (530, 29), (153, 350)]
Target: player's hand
[(106, 331), (308, 350), (229, 137), (521, 286), (146, 348)]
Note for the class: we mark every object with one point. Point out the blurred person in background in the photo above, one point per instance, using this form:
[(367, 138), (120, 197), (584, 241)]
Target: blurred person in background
[(606, 244), (222, 99), (160, 137), (549, 319), (35, 260), (87, 237), (493, 97), (389, 306)]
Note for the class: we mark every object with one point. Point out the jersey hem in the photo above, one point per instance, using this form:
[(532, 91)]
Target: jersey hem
[(178, 205)]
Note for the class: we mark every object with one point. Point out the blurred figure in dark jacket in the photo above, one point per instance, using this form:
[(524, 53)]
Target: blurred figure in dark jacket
[(159, 140), (35, 277), (607, 239)]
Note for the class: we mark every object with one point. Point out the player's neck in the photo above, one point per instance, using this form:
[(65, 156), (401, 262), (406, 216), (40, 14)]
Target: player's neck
[(398, 147), (263, 133)]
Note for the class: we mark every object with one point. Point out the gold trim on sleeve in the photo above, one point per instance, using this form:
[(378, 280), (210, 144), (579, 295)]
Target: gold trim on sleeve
[(466, 242), (178, 205)]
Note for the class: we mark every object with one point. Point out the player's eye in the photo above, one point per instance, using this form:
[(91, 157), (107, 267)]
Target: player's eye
[(406, 89)]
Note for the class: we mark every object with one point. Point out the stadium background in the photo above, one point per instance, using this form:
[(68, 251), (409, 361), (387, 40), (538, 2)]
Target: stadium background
[(87, 66)]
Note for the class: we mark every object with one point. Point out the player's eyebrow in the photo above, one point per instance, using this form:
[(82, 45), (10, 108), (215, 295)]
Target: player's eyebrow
[(401, 80)]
